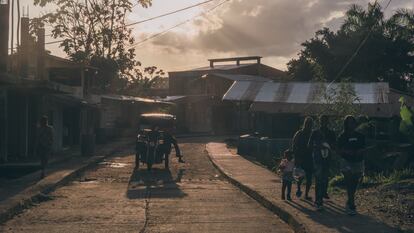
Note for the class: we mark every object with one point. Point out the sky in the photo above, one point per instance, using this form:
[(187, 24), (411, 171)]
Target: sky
[(273, 29)]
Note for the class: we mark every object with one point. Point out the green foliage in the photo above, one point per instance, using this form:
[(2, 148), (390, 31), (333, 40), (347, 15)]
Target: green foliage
[(376, 178), (406, 124), (388, 178), (339, 100), (387, 54), (142, 82), (337, 181), (95, 33)]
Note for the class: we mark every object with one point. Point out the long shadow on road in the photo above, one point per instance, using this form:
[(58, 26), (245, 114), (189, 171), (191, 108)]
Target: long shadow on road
[(158, 182), (330, 218)]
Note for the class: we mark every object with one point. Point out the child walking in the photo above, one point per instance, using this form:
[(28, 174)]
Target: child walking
[(286, 168)]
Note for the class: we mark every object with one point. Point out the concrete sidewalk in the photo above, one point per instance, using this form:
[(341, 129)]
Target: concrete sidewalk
[(18, 194), (265, 187)]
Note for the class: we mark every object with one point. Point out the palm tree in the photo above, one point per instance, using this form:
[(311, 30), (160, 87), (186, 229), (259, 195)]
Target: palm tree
[(360, 20)]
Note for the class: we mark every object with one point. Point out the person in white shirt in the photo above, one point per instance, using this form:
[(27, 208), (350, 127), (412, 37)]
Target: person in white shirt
[(286, 167)]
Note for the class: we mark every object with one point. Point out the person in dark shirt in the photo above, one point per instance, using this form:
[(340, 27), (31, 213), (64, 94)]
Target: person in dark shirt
[(303, 155), (169, 140), (351, 145), (321, 143), (44, 143)]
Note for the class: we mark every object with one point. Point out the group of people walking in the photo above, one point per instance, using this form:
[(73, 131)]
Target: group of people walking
[(311, 156)]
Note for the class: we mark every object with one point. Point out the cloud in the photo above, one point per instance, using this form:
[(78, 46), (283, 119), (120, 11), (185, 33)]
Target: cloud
[(263, 27), (269, 28)]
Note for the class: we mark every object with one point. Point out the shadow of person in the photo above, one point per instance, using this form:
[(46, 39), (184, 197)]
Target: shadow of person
[(335, 218), (157, 183)]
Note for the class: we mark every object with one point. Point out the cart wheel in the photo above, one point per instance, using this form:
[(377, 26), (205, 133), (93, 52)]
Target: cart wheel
[(167, 161), (149, 166), (136, 161)]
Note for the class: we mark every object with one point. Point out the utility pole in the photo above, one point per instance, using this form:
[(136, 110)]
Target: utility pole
[(24, 47), (18, 23), (40, 49), (12, 32), (4, 51), (4, 35)]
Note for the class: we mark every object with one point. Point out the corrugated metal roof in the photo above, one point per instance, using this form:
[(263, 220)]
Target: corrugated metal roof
[(132, 98), (301, 92), (171, 98)]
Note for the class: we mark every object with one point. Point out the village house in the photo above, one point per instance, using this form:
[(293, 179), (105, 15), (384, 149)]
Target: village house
[(35, 83), (245, 98), (280, 107), (118, 114), (198, 94)]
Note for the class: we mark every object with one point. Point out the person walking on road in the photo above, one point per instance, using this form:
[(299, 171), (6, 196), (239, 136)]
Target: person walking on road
[(171, 140), (286, 168), (44, 143), (351, 145), (321, 143), (303, 155)]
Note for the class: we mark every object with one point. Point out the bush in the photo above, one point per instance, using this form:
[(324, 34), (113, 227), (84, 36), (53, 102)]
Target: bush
[(337, 181), (389, 178), (376, 178)]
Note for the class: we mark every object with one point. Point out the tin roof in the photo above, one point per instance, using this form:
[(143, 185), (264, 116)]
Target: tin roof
[(306, 98), (301, 92), (158, 116), (133, 99)]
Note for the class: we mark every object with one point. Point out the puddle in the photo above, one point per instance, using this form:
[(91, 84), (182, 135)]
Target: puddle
[(114, 165), (88, 181)]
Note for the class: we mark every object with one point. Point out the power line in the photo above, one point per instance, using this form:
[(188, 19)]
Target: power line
[(353, 55), (178, 25), (54, 42), (169, 13), (162, 15), (358, 48)]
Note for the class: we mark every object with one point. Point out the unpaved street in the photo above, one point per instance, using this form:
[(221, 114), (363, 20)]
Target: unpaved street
[(190, 197)]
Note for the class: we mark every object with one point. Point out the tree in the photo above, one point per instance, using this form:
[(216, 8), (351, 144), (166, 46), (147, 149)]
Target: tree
[(339, 100), (386, 55), (144, 81), (95, 32), (407, 119)]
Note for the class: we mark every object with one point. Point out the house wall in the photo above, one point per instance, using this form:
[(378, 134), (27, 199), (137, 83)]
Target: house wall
[(182, 82), (216, 86), (214, 115), (199, 116), (277, 125), (3, 126)]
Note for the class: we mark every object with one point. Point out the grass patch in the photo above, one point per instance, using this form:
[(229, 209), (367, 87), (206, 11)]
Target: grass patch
[(375, 178), (389, 178)]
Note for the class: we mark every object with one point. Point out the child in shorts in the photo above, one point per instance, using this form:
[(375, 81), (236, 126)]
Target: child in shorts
[(286, 168)]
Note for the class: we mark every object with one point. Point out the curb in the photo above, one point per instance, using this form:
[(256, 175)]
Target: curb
[(279, 211), (40, 196)]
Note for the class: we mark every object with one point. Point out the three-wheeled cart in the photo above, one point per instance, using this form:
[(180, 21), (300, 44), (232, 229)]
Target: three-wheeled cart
[(150, 145)]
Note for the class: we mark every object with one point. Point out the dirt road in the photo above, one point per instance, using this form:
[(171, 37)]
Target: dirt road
[(189, 197)]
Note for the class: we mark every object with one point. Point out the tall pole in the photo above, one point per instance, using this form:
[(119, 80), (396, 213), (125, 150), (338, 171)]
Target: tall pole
[(40, 54), (4, 35), (18, 23), (12, 29), (24, 47)]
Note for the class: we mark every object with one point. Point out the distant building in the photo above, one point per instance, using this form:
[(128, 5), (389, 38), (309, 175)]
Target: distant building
[(118, 114), (200, 107), (280, 107), (37, 84)]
